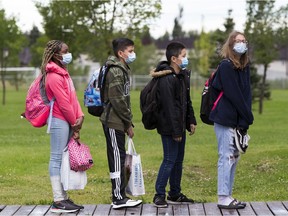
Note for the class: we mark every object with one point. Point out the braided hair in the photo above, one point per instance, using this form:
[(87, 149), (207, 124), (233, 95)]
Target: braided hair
[(52, 47)]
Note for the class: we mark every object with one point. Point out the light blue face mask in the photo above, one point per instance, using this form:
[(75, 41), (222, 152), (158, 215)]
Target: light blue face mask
[(131, 57), (184, 63), (66, 58), (240, 48)]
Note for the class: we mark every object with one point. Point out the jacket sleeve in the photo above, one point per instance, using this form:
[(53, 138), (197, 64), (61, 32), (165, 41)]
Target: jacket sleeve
[(79, 110), (118, 90), (190, 117), (230, 85)]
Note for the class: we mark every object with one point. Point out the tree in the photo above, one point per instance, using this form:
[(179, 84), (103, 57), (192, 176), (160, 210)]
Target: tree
[(89, 26), (218, 38), (261, 35), (208, 47), (11, 41), (177, 31), (202, 54), (37, 50)]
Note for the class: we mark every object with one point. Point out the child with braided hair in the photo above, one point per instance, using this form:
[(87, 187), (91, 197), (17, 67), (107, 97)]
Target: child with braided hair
[(67, 117)]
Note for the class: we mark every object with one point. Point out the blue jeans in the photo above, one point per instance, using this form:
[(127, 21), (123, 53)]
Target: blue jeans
[(171, 167), (228, 157), (60, 132)]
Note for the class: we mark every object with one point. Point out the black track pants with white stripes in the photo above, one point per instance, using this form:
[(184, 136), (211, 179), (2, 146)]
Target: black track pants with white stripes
[(115, 141)]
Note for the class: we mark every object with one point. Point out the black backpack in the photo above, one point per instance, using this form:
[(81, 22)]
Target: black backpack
[(209, 99), (148, 101), (94, 93), (149, 104)]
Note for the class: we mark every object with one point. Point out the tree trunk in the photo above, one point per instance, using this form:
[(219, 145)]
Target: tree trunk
[(3, 85), (262, 89), (16, 82)]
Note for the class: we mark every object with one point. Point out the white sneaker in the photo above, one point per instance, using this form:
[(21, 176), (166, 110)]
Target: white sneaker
[(126, 202)]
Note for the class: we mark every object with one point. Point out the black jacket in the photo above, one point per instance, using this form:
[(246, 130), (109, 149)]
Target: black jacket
[(175, 106)]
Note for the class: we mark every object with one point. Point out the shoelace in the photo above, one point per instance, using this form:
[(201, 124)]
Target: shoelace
[(246, 138)]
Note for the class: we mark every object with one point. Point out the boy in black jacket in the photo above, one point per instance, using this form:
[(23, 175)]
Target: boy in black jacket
[(175, 115)]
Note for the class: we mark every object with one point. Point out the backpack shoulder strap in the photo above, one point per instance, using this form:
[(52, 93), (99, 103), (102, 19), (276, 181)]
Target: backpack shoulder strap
[(102, 78)]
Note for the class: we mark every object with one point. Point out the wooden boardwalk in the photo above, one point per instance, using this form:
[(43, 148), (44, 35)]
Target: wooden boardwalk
[(252, 208)]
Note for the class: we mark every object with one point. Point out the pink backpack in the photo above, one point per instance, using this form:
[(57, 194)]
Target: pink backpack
[(38, 106)]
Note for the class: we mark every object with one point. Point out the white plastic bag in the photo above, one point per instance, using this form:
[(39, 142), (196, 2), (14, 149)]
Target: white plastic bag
[(70, 179), (135, 186)]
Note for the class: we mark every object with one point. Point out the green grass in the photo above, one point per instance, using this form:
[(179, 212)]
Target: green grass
[(261, 174)]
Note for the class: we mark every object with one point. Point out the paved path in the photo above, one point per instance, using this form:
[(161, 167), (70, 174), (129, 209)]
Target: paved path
[(252, 208)]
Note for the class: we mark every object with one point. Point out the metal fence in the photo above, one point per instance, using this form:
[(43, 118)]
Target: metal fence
[(25, 75)]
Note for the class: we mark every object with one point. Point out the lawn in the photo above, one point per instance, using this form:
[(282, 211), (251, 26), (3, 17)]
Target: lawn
[(261, 174)]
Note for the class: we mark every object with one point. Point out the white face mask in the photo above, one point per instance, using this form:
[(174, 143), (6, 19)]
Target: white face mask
[(240, 48), (184, 63), (66, 58), (131, 57)]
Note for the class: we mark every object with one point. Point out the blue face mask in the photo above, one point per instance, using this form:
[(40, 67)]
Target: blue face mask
[(240, 48), (131, 57), (66, 58), (184, 63)]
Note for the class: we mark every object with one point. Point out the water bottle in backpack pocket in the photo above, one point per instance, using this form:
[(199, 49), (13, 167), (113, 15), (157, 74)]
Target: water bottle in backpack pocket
[(92, 98)]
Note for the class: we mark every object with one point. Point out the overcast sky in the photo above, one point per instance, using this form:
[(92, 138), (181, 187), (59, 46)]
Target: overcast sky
[(197, 14)]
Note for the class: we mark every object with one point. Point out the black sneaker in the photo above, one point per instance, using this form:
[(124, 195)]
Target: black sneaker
[(72, 203), (124, 203), (160, 202), (241, 139), (180, 199), (62, 207)]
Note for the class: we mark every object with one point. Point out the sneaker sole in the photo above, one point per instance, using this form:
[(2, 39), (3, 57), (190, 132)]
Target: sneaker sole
[(63, 210), (161, 206), (179, 203), (126, 205)]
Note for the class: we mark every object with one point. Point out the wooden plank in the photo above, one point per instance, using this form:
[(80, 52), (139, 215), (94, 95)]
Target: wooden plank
[(148, 209), (49, 213), (117, 211), (229, 212), (285, 203), (180, 209), (102, 209), (88, 210), (277, 208), (196, 209), (10, 210), (134, 211), (40, 210), (212, 209), (166, 211), (66, 213), (247, 210), (261, 208), (25, 210)]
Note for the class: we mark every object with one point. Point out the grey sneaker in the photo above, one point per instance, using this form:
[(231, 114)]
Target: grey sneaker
[(159, 201), (63, 207), (72, 203), (125, 203), (180, 199)]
